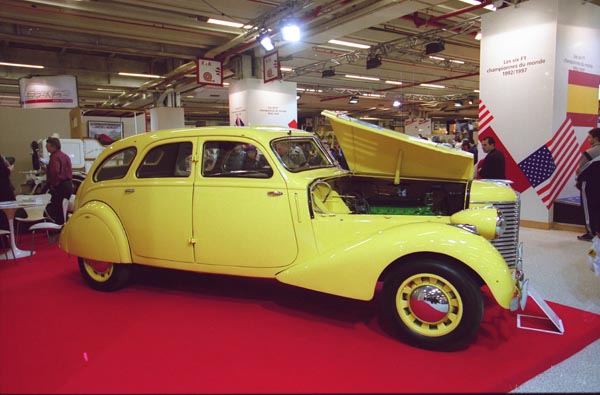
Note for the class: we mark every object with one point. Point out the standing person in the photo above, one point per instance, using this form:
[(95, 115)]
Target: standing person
[(588, 181), (6, 189), (493, 163), (59, 174), (468, 146)]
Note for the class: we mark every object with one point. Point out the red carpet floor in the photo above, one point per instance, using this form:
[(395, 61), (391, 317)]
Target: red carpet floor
[(175, 332)]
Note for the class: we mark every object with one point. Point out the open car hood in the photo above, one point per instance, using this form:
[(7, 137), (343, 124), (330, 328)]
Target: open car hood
[(371, 149)]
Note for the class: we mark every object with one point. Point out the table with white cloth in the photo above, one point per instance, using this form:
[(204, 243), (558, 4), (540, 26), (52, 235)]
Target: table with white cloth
[(10, 208)]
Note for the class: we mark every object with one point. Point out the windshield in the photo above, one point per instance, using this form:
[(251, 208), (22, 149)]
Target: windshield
[(301, 153)]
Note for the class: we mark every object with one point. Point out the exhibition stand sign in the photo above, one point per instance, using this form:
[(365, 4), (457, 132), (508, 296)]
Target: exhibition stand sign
[(59, 91)]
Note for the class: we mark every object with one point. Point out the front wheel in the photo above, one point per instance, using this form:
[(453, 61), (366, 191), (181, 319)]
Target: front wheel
[(432, 304), (104, 276)]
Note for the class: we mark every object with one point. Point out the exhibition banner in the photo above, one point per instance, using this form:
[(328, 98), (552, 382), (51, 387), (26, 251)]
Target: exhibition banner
[(539, 77), (59, 91)]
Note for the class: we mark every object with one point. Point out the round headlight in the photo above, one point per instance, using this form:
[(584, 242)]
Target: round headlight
[(500, 224)]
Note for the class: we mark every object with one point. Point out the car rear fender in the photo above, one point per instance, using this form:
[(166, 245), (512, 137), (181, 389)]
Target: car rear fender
[(353, 270), (95, 232)]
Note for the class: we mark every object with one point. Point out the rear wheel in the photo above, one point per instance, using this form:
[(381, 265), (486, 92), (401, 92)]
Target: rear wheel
[(432, 305), (104, 276)]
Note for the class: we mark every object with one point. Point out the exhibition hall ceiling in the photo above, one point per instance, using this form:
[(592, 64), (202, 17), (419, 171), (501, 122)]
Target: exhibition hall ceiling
[(96, 40)]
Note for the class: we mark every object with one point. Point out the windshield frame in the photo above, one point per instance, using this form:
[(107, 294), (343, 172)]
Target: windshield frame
[(317, 157)]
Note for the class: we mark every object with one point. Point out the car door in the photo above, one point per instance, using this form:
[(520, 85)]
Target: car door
[(157, 203), (241, 217)]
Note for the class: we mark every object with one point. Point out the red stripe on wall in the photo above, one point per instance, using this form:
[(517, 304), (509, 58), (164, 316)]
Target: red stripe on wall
[(579, 119), (584, 79)]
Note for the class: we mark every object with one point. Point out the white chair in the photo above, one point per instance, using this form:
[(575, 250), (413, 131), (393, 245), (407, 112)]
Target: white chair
[(6, 234), (49, 226), (34, 214)]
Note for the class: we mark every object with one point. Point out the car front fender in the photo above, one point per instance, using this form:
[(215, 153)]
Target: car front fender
[(95, 232), (353, 270)]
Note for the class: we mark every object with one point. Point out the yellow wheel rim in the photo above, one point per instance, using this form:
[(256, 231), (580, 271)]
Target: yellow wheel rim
[(98, 271), (429, 305)]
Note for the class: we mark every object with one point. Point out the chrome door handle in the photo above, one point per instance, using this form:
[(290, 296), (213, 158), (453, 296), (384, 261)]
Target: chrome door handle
[(274, 193), (129, 190)]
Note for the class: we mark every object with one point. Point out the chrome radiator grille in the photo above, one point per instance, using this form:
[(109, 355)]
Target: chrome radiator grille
[(507, 244)]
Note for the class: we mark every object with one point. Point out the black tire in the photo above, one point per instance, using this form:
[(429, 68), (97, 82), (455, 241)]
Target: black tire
[(432, 304), (104, 276), (77, 180)]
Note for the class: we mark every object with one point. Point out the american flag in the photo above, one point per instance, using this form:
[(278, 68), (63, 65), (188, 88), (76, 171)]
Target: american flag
[(550, 167), (485, 117)]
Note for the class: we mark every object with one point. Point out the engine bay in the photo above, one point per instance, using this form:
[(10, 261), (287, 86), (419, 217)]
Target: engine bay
[(370, 195)]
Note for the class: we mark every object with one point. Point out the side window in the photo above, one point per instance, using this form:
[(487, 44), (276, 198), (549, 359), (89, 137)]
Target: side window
[(115, 166), (234, 159), (167, 160)]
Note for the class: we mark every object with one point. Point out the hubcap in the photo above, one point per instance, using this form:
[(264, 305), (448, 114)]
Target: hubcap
[(429, 305), (97, 270)]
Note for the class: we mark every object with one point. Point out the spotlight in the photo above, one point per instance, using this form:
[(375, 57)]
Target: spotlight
[(434, 47), (265, 40), (291, 32), (397, 102), (353, 100), (458, 103), (373, 61), (328, 73)]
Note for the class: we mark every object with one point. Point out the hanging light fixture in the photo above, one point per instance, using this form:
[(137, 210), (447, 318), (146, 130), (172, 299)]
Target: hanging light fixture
[(373, 61), (435, 47), (353, 100), (265, 40), (397, 102), (330, 72)]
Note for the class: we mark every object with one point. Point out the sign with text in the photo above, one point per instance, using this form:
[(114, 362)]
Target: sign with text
[(271, 67), (252, 102), (59, 91), (209, 72)]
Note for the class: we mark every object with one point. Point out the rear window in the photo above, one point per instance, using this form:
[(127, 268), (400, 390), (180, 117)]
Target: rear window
[(167, 160), (116, 165)]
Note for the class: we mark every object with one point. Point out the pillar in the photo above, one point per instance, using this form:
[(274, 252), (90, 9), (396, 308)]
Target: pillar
[(539, 77)]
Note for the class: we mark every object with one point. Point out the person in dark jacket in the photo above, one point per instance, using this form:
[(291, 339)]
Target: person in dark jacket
[(493, 166), (59, 174), (7, 192), (588, 181)]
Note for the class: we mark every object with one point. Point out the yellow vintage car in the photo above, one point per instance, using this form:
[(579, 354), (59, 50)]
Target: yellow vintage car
[(272, 202)]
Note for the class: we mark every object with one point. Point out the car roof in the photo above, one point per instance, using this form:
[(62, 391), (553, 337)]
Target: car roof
[(260, 133)]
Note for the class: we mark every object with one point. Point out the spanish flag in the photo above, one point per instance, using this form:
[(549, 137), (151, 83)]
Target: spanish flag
[(582, 98)]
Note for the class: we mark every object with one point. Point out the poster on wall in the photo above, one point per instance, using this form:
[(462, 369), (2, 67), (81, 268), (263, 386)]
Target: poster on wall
[(209, 72), (59, 91), (105, 132), (271, 67)]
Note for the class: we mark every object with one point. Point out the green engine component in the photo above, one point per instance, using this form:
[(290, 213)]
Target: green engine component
[(424, 210)]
